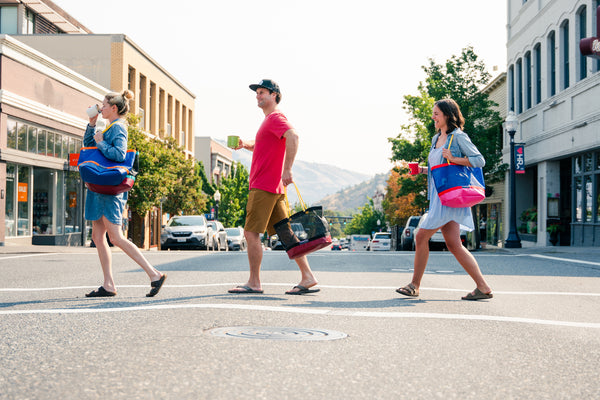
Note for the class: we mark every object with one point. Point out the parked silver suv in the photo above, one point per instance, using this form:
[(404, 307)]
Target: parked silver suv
[(407, 236)]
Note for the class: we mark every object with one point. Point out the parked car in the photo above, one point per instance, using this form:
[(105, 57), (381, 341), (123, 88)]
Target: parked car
[(437, 241), (217, 236), (407, 236), (382, 241), (236, 239), (297, 228), (185, 231)]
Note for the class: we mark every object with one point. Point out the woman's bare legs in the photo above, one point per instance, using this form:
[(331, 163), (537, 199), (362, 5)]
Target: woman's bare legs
[(116, 237), (451, 232), (99, 238), (421, 255)]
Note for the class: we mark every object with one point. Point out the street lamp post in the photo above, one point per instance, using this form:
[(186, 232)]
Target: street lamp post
[(513, 240), (217, 198)]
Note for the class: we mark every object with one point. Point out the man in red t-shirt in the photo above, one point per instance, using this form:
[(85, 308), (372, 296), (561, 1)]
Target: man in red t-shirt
[(273, 152)]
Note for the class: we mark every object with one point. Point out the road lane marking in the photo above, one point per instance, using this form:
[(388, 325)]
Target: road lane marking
[(565, 259), (310, 311), (201, 285), (28, 255)]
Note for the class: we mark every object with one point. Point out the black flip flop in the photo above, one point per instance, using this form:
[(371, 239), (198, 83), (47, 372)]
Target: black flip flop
[(247, 289), (302, 290), (100, 292), (156, 285)]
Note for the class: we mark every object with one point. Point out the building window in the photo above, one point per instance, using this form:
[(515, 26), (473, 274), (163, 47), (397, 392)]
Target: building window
[(564, 33), (8, 20), (511, 88), (528, 82), (582, 22), (552, 63), (586, 181), (35, 139), (519, 77), (537, 53)]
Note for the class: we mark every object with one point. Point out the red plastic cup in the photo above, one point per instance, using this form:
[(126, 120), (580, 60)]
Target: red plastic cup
[(414, 168)]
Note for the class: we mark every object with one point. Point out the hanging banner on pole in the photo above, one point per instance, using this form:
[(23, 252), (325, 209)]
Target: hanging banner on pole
[(519, 159)]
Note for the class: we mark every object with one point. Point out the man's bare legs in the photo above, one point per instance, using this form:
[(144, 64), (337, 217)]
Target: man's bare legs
[(255, 256)]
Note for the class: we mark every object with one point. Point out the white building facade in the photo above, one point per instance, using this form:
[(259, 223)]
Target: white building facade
[(555, 92)]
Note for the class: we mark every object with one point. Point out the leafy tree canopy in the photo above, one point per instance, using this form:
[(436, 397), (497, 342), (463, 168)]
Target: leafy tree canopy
[(165, 174), (460, 78), (366, 222)]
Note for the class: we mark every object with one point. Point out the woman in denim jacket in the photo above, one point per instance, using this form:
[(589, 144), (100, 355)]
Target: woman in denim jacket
[(106, 211), (449, 123)]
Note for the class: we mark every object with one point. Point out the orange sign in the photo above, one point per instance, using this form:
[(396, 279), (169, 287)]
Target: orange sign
[(73, 159), (72, 199), (22, 195)]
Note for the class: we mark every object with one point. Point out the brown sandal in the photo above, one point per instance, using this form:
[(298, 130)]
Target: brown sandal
[(477, 295), (409, 290)]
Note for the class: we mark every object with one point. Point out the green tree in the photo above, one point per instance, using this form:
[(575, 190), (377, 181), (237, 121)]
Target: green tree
[(460, 78), (165, 173), (366, 222), (234, 196)]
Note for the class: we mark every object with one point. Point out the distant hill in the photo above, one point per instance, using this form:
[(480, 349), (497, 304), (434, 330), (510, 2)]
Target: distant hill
[(315, 181), (351, 198)]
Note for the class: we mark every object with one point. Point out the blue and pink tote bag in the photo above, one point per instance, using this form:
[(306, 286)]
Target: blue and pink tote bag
[(458, 186)]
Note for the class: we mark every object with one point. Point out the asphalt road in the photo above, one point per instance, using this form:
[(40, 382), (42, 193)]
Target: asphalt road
[(538, 338)]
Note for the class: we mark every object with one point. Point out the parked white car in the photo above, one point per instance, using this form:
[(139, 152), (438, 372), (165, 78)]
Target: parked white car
[(437, 241), (185, 231), (236, 239), (218, 236), (382, 241)]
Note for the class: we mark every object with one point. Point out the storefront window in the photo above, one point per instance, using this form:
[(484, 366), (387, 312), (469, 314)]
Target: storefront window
[(588, 162), (10, 227), (21, 137), (58, 145), (32, 148), (23, 188), (578, 200), (597, 198), (59, 218), (598, 160), (73, 196), (65, 147), (578, 168), (42, 142), (588, 199), (50, 144), (43, 204), (11, 134)]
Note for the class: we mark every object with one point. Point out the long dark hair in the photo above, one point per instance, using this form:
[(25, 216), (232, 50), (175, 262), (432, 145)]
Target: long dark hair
[(450, 109)]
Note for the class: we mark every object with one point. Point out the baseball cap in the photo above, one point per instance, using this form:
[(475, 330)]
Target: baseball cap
[(267, 84)]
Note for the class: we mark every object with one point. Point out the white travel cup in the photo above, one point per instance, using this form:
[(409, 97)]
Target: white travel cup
[(93, 111)]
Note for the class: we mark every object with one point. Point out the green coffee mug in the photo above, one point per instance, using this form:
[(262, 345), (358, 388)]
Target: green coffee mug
[(233, 141)]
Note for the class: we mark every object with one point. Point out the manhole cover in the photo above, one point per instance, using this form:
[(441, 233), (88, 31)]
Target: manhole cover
[(274, 333)]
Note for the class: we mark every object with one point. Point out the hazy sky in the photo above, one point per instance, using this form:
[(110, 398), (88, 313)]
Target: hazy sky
[(343, 65)]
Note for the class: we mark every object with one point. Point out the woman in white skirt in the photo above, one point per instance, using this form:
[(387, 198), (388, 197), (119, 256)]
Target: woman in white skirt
[(449, 123)]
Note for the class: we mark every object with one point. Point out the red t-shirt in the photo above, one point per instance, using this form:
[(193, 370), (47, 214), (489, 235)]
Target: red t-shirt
[(269, 154)]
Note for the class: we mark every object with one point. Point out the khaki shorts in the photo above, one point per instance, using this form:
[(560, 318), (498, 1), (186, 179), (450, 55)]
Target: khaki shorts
[(264, 209)]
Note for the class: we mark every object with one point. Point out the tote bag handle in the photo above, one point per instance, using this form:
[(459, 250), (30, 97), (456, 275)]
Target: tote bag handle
[(287, 202), (450, 144)]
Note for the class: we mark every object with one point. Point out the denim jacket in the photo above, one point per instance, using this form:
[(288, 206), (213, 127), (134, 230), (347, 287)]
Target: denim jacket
[(114, 144), (461, 146)]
